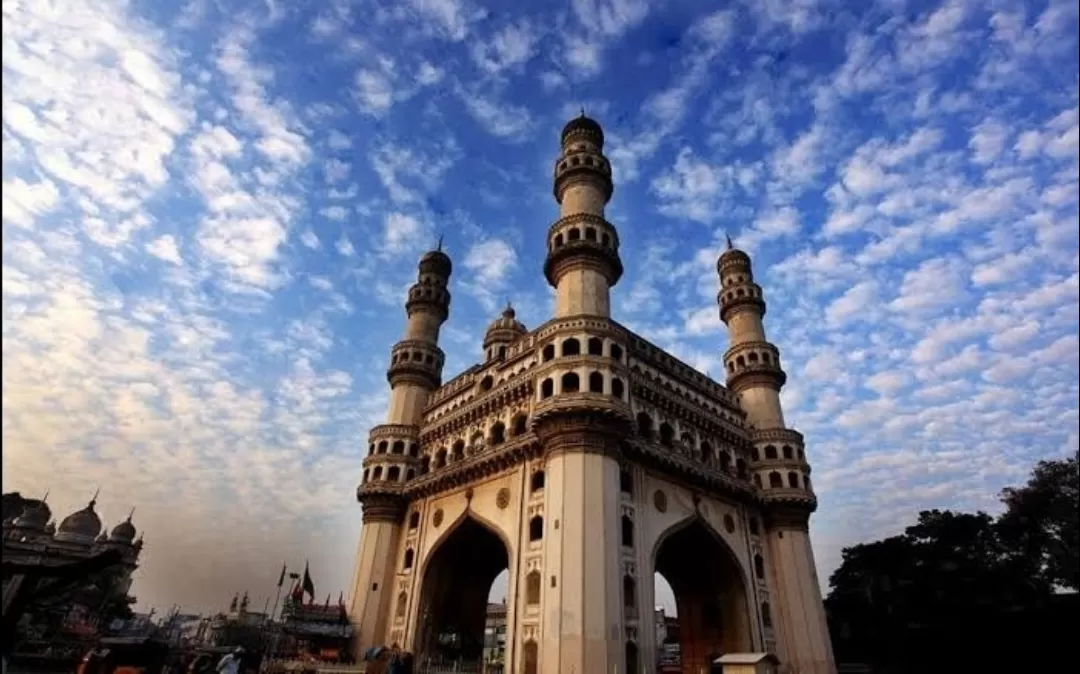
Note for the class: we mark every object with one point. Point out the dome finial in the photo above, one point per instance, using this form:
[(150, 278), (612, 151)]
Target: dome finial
[(93, 499), (438, 246), (131, 514), (583, 111), (730, 245)]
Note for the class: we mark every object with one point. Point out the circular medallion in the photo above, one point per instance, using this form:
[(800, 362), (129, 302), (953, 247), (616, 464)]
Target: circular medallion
[(660, 500), (436, 519), (729, 524), (502, 499)]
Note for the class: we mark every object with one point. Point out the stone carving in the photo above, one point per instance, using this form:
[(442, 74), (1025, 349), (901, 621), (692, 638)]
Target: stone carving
[(660, 501), (729, 524), (436, 519), (502, 499)]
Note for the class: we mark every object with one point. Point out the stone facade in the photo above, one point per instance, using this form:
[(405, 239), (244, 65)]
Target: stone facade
[(583, 458)]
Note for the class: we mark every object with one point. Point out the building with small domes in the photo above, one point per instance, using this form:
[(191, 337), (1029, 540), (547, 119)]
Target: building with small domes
[(582, 459), (32, 536)]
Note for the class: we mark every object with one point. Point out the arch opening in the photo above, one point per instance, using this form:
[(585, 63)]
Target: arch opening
[(455, 595), (710, 596)]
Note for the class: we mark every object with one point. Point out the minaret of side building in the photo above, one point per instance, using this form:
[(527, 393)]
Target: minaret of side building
[(393, 458), (580, 427), (780, 470), (583, 248)]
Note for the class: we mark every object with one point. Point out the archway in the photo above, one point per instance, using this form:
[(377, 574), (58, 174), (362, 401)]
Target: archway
[(710, 596), (454, 596)]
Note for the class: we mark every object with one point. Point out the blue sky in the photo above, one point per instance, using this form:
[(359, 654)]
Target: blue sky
[(212, 211)]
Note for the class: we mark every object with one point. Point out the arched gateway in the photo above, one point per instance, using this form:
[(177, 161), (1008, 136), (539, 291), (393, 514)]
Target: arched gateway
[(715, 615), (454, 595), (583, 459)]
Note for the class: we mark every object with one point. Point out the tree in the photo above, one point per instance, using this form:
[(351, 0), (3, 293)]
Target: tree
[(964, 584), (1042, 521)]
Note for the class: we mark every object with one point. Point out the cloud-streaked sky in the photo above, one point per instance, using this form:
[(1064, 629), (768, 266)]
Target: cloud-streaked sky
[(212, 211)]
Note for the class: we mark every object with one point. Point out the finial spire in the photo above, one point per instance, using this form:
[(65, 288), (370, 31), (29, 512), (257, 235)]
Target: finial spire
[(93, 499), (730, 245), (131, 514), (583, 111), (45, 498), (438, 246)]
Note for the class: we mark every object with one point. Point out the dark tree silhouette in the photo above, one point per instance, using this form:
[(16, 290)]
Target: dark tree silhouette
[(963, 589), (1042, 520)]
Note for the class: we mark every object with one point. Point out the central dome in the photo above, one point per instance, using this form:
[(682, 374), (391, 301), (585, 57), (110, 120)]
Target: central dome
[(81, 525), (504, 330)]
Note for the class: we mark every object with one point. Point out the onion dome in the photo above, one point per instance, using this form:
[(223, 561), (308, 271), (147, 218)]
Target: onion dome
[(583, 126), (80, 526), (436, 262), (732, 256), (123, 532), (34, 517), (504, 330)]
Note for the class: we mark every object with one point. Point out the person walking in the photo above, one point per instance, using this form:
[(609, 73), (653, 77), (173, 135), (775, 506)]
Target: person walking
[(230, 664), (396, 663)]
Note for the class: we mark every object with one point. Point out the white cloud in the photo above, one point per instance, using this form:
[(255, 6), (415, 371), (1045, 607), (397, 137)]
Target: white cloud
[(402, 233), (855, 301), (511, 46), (987, 141), (23, 201), (491, 262), (165, 248)]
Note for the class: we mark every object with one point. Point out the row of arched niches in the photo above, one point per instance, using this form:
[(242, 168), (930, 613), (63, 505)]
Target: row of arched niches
[(598, 366)]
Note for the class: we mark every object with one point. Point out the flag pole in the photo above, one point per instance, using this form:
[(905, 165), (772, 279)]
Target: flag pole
[(277, 598)]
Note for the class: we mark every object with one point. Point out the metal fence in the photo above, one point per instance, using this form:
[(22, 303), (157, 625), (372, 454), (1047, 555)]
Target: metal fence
[(458, 667)]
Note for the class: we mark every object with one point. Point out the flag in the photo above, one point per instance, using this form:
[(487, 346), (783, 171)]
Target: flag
[(297, 592), (281, 578), (309, 585)]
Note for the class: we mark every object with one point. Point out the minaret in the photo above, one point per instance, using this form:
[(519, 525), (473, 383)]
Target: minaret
[(393, 459), (583, 248), (796, 618), (580, 426)]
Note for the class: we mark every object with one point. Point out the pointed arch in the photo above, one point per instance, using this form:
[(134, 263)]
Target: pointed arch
[(448, 530), (713, 590)]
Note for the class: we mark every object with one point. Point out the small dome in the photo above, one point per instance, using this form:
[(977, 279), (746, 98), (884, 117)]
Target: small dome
[(504, 329), (34, 517), (585, 126), (436, 262), (731, 256), (123, 532), (81, 524)]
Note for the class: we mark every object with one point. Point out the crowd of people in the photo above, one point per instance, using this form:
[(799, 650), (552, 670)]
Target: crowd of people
[(392, 660)]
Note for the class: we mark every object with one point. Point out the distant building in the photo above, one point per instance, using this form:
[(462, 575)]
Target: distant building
[(668, 652), (313, 631), (495, 634), (235, 627), (31, 536)]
